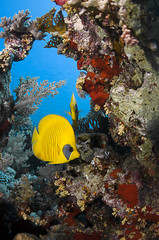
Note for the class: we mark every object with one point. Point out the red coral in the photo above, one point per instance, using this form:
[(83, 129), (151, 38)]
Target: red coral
[(96, 84), (60, 2), (83, 236), (98, 63), (114, 172), (107, 66), (96, 92), (73, 45), (129, 194), (80, 63), (148, 215), (131, 228), (72, 214), (83, 63)]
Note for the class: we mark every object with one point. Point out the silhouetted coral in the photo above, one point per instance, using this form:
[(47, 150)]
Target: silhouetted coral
[(95, 121)]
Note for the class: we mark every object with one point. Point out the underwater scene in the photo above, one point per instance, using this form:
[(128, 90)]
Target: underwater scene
[(79, 120)]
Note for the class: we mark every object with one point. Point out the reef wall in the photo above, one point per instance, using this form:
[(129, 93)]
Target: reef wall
[(115, 44), (19, 34)]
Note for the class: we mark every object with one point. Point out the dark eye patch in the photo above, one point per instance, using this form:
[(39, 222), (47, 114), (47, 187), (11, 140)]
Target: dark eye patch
[(67, 150)]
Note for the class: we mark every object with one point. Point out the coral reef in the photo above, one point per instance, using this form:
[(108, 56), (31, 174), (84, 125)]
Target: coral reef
[(112, 190), (29, 94), (15, 152), (95, 122), (19, 34), (102, 183), (115, 44)]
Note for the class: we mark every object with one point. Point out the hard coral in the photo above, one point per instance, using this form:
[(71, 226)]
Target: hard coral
[(127, 36), (101, 5), (20, 24), (19, 47), (6, 59)]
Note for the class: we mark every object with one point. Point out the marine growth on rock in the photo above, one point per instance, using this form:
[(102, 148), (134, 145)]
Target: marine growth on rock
[(111, 191)]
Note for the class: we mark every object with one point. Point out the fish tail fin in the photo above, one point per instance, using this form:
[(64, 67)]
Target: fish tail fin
[(35, 136)]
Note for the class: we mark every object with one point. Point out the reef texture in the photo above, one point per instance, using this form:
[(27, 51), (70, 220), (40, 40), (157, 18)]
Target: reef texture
[(19, 34), (115, 44), (112, 191)]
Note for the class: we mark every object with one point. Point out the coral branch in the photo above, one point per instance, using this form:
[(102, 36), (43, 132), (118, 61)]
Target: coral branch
[(29, 95)]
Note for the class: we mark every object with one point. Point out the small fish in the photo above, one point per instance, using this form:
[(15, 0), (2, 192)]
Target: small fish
[(74, 111), (55, 140)]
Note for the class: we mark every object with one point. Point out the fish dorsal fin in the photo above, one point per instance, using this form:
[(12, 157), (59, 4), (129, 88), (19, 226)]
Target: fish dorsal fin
[(35, 136), (73, 99)]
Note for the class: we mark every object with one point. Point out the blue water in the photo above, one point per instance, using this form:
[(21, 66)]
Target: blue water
[(46, 64)]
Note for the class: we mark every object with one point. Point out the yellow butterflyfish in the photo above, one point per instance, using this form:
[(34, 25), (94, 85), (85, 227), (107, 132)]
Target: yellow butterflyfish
[(55, 140)]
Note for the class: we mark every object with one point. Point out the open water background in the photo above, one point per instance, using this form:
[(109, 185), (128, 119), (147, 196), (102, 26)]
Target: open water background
[(45, 63)]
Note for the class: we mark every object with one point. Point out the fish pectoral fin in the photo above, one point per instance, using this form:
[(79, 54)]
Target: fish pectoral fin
[(68, 113), (35, 136), (57, 148)]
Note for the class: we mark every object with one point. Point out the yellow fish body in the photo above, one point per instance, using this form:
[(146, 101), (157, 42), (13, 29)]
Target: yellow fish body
[(55, 140), (74, 111)]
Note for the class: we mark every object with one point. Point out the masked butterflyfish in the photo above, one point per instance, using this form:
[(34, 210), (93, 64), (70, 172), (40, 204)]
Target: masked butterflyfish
[(74, 111), (55, 140)]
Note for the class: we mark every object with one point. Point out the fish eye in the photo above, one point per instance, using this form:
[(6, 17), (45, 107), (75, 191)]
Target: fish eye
[(67, 150), (70, 149)]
